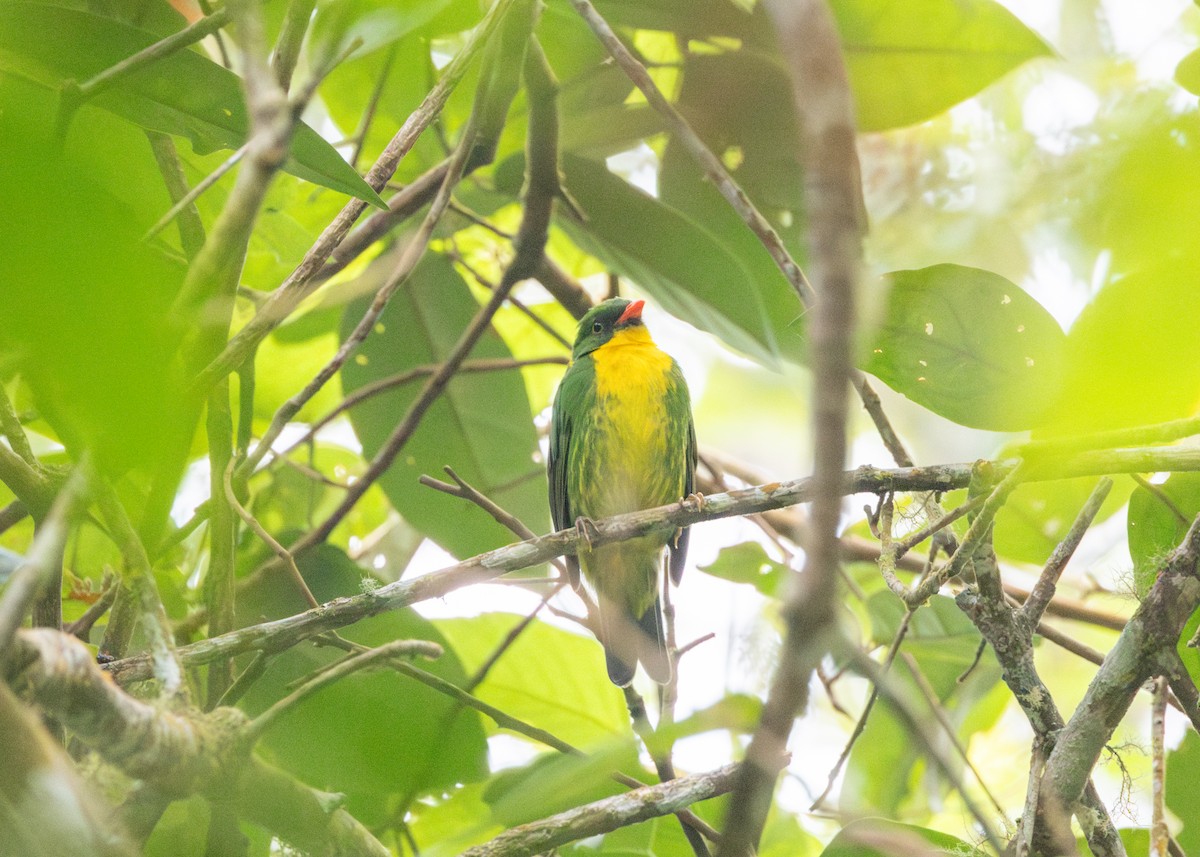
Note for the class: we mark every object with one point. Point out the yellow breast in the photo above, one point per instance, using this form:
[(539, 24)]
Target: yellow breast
[(634, 451)]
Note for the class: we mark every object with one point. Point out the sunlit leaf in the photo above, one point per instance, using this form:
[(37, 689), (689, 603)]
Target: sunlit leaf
[(1132, 356), (584, 709), (749, 563), (970, 346), (908, 62), (1183, 800), (184, 94)]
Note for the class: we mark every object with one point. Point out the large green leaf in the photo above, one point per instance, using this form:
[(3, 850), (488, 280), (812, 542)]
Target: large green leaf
[(184, 94), (374, 735), (480, 425), (970, 346), (1132, 356), (907, 61), (679, 262), (86, 302), (910, 61), (549, 677)]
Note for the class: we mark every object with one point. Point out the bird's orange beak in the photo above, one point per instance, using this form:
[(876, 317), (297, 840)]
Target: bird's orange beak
[(633, 311)]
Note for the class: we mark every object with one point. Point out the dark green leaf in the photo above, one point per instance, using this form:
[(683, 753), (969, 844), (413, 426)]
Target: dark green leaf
[(184, 94), (679, 262), (877, 837), (480, 425), (373, 735), (970, 346), (749, 563)]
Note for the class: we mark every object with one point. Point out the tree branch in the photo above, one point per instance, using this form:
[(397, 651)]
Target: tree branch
[(809, 43), (607, 815), (284, 633)]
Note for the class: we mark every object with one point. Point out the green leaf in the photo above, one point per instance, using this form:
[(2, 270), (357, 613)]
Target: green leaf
[(184, 94), (970, 346), (549, 677), (749, 563), (685, 267), (1133, 357), (1183, 799), (374, 735), (1187, 73), (1157, 522), (878, 837), (908, 62), (1038, 515), (74, 272), (373, 23), (481, 424), (555, 782)]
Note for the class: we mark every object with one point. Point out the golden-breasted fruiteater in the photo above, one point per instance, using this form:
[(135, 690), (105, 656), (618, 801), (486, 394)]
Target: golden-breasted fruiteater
[(621, 440)]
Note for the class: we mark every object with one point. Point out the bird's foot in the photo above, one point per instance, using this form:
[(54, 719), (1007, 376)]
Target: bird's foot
[(586, 529), (694, 501)]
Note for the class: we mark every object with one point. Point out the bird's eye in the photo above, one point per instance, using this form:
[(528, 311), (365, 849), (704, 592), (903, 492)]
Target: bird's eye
[(597, 327)]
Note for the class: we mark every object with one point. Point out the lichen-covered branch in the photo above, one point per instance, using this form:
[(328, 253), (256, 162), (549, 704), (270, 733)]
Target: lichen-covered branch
[(284, 633), (607, 815)]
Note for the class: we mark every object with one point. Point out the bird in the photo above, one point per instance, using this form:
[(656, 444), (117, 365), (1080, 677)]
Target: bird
[(622, 439)]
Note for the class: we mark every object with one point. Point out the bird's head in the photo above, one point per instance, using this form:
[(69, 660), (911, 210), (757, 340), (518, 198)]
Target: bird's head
[(603, 321)]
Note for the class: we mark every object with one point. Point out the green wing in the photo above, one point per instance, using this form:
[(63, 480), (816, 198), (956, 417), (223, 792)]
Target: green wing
[(574, 400), (680, 408)]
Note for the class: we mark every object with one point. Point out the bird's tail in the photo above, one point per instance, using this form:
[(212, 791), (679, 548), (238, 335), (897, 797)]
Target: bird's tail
[(628, 640)]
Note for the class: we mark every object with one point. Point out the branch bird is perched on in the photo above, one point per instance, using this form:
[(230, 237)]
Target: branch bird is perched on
[(622, 440)]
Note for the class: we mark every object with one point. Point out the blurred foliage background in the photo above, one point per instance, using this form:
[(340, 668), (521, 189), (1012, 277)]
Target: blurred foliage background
[(1029, 173)]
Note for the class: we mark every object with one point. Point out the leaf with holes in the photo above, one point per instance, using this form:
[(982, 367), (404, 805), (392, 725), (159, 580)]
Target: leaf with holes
[(970, 346)]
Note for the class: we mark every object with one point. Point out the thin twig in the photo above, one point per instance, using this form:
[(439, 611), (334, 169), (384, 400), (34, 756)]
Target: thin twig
[(350, 665), (42, 567), (364, 124), (405, 264), (289, 561), (915, 726), (188, 200), (939, 712), (1159, 834), (1043, 590), (11, 426), (299, 285)]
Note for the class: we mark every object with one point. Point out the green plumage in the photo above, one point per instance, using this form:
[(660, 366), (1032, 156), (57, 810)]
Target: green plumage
[(622, 440)]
